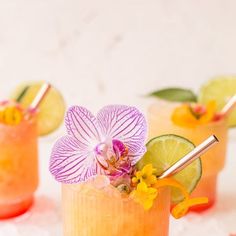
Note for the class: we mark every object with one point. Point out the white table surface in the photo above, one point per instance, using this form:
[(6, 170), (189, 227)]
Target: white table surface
[(109, 51)]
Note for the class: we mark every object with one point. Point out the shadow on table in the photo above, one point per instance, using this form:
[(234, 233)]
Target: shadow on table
[(44, 211), (42, 219)]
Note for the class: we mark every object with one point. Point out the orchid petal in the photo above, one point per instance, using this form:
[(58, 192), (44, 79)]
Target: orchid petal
[(82, 125), (135, 157), (123, 123), (71, 164)]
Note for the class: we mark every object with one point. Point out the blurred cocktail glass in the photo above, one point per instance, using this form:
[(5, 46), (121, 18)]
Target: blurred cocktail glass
[(18, 166), (160, 123), (19, 148)]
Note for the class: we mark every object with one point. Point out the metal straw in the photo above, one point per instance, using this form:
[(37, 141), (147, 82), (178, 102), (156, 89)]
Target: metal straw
[(229, 106), (190, 157), (40, 96)]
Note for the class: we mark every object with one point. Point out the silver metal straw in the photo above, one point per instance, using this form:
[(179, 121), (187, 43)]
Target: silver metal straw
[(229, 106), (40, 96), (190, 157)]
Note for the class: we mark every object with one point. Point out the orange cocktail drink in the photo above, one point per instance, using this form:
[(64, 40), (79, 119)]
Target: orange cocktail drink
[(18, 163), (98, 212), (109, 176), (160, 122)]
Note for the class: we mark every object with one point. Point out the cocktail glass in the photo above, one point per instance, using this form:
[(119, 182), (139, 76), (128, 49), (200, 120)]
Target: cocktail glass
[(159, 119), (18, 166), (89, 211), (111, 187)]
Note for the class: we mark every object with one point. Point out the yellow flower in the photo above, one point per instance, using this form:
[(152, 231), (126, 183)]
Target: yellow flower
[(11, 115), (190, 116), (144, 195), (145, 175), (209, 114)]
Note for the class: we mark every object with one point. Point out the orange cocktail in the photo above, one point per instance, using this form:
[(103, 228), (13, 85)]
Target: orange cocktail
[(18, 165), (110, 185), (160, 122), (95, 212)]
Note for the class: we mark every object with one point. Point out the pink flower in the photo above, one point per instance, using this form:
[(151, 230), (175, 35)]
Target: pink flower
[(110, 143)]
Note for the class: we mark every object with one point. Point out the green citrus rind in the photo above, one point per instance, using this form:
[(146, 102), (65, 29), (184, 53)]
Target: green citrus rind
[(220, 89), (51, 110)]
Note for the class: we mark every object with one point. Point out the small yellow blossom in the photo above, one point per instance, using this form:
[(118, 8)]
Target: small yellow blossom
[(11, 115), (144, 195), (190, 116), (145, 175), (209, 114)]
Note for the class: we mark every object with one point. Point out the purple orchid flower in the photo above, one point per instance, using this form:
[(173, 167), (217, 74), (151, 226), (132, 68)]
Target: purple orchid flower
[(110, 143)]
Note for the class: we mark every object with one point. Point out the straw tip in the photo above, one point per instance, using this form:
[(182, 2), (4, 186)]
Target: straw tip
[(47, 84), (216, 139)]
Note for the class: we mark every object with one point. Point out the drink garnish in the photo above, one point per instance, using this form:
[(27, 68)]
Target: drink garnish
[(11, 113), (111, 144), (191, 115), (51, 109), (175, 95), (22, 94), (220, 89)]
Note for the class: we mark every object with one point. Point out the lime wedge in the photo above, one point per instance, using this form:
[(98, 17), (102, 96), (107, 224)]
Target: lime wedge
[(51, 110), (164, 151), (175, 95), (220, 89)]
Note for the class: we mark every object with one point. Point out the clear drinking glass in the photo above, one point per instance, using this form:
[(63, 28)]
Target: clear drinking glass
[(98, 212), (18, 166), (159, 119)]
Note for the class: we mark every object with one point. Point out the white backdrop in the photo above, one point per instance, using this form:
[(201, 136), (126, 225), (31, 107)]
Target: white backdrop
[(107, 51)]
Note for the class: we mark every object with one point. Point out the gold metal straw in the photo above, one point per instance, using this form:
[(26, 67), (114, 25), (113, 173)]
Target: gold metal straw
[(229, 106), (190, 157), (40, 96)]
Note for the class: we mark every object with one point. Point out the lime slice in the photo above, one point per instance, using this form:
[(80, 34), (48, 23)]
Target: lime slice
[(51, 110), (164, 151), (220, 89), (175, 95)]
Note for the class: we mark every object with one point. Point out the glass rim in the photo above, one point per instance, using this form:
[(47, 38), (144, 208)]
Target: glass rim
[(25, 121), (72, 188)]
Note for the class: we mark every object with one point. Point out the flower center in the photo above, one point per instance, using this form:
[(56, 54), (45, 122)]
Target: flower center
[(198, 110), (113, 157)]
